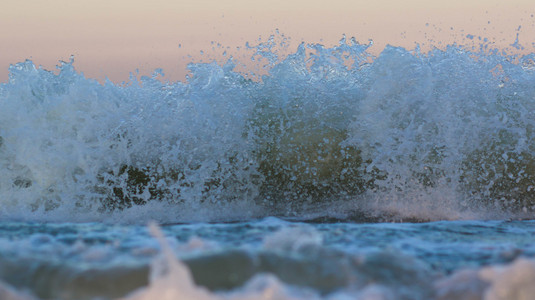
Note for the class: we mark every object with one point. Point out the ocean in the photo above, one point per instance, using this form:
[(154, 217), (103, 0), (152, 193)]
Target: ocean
[(331, 173)]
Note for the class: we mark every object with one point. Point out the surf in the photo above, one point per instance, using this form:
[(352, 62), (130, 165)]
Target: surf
[(328, 132)]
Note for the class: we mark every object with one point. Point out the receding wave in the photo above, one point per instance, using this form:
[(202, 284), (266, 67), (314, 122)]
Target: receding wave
[(328, 132)]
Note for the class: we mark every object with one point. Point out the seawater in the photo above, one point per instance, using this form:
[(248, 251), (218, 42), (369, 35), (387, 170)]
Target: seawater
[(286, 185), (268, 259)]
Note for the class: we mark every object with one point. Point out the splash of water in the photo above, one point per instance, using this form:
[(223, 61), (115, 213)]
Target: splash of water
[(437, 135)]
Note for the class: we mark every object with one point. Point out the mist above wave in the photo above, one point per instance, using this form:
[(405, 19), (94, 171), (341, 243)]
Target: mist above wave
[(437, 135)]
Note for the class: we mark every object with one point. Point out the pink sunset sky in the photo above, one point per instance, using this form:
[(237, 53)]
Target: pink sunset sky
[(111, 38)]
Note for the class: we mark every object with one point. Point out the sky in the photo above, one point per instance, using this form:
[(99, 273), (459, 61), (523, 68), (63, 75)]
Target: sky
[(112, 38)]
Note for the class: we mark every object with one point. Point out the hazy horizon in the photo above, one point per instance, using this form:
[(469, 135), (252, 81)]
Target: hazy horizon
[(110, 39)]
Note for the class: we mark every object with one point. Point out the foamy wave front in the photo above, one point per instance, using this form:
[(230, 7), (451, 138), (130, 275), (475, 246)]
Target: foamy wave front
[(404, 135)]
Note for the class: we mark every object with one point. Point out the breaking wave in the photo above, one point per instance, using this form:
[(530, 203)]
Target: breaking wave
[(327, 132)]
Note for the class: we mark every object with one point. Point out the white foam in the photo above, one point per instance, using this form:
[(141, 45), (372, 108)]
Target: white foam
[(293, 239), (171, 279), (514, 281), (9, 293)]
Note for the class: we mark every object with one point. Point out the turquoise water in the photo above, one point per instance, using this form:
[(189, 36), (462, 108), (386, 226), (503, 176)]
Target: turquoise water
[(337, 174)]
